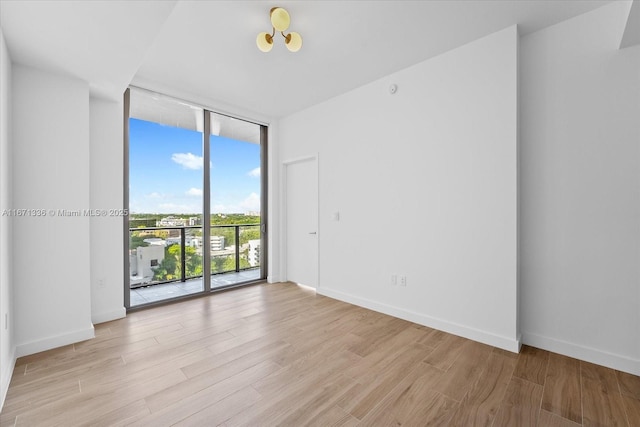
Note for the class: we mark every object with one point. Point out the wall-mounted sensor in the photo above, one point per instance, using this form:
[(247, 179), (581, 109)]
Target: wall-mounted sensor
[(393, 89)]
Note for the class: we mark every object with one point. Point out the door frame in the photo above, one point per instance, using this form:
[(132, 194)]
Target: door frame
[(315, 157)]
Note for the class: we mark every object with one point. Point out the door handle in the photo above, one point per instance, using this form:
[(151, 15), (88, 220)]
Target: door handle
[(312, 232)]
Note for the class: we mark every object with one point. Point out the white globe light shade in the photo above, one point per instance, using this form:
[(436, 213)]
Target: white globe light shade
[(294, 42), (264, 42), (280, 18)]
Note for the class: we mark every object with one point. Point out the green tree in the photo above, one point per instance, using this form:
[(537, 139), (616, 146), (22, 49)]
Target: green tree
[(230, 264), (227, 232), (171, 266), (217, 264), (249, 233), (193, 262), (234, 219), (137, 241), (168, 269)]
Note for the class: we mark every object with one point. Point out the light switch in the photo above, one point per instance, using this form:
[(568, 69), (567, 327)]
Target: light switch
[(335, 216)]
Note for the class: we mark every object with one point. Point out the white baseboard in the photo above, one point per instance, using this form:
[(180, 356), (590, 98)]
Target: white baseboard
[(588, 354), (5, 375), (48, 343), (108, 316), (484, 337)]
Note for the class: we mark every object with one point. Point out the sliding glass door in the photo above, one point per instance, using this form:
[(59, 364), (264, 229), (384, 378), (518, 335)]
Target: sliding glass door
[(196, 194)]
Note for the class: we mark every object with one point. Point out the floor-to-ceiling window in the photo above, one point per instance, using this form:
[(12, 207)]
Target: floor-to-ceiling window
[(195, 194)]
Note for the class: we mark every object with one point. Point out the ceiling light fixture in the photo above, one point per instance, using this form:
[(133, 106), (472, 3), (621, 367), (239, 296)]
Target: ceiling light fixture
[(280, 21)]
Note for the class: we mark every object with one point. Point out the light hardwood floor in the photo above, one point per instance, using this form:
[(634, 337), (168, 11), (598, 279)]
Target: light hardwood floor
[(278, 354)]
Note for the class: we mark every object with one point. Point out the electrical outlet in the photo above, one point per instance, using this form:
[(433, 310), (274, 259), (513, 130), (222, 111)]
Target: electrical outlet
[(394, 280), (403, 280), (101, 283)]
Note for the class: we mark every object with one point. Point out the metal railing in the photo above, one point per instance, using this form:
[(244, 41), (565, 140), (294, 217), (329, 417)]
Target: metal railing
[(162, 236)]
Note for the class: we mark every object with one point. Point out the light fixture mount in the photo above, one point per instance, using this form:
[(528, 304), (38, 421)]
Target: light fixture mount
[(280, 21)]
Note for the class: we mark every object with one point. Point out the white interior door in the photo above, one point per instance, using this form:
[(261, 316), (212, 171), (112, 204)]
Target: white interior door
[(301, 199)]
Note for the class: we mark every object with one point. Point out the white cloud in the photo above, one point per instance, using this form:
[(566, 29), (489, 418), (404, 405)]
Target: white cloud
[(255, 173), (188, 160), (155, 195), (194, 192), (251, 203)]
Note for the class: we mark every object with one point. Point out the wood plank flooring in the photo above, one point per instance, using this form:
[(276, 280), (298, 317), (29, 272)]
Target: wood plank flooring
[(280, 355)]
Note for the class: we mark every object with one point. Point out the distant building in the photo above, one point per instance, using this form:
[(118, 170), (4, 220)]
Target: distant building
[(195, 220), (194, 242), (254, 253), (143, 261), (173, 241), (217, 242), (155, 241), (172, 221)]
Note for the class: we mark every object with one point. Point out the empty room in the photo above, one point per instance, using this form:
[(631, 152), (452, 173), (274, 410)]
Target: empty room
[(328, 213)]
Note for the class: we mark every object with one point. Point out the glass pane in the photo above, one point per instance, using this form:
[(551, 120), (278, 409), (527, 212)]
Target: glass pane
[(165, 198), (235, 201)]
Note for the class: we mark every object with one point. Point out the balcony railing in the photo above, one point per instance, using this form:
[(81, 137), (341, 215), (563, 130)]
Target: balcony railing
[(175, 254)]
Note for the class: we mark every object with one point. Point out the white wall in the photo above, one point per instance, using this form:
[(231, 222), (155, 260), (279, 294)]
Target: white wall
[(580, 152), (7, 346), (425, 184), (106, 193), (50, 171)]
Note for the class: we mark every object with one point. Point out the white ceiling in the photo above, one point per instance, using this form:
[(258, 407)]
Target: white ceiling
[(207, 48), (101, 42)]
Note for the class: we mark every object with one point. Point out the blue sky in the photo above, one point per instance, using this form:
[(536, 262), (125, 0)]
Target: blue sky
[(165, 171)]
